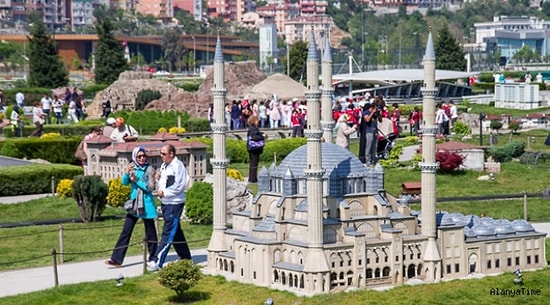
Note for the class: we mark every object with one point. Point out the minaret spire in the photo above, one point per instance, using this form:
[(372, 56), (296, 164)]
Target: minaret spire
[(429, 165), (316, 265), (326, 96), (218, 160)]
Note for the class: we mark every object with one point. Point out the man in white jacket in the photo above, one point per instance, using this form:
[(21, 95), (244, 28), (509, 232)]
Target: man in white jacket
[(172, 183)]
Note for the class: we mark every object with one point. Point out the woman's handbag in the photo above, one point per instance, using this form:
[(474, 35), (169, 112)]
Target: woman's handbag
[(252, 145), (131, 206)]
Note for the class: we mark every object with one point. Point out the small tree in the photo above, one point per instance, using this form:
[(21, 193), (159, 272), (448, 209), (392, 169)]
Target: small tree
[(461, 128), (109, 54), (199, 203), (90, 194), (448, 161), (514, 127), (144, 97), (180, 276), (496, 125), (45, 67)]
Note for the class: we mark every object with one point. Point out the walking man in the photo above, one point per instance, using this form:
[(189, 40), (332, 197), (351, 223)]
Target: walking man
[(172, 183)]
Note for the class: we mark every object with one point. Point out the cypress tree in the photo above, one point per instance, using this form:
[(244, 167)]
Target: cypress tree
[(109, 54), (45, 67), (448, 52)]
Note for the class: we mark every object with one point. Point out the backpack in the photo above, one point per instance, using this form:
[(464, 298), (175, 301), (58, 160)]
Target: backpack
[(80, 154)]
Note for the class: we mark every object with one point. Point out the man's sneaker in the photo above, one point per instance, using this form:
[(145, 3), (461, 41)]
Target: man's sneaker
[(152, 266)]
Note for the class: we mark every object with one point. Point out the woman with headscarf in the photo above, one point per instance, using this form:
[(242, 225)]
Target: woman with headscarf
[(141, 177), (344, 130)]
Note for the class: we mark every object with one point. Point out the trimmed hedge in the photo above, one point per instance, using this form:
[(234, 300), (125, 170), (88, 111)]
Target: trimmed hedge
[(34, 178), (236, 150), (58, 150), (80, 129)]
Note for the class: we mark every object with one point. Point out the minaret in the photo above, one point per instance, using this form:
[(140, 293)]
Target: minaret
[(429, 166), (326, 97), (316, 265), (218, 160)]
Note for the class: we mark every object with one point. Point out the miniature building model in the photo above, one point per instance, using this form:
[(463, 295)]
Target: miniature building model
[(109, 159), (321, 221)]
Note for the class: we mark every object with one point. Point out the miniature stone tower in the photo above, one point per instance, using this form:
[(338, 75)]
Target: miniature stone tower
[(326, 97), (429, 166), (219, 160), (316, 266)]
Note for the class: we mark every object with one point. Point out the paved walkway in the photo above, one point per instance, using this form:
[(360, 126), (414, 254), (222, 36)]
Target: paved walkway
[(36, 279)]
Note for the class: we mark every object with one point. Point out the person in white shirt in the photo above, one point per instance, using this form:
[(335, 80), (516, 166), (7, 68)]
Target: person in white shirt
[(58, 109), (441, 120), (20, 99), (46, 102), (71, 113), (173, 180), (123, 132), (454, 113), (38, 119), (16, 121)]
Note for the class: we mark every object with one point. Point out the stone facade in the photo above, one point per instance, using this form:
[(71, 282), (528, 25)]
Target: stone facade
[(109, 159)]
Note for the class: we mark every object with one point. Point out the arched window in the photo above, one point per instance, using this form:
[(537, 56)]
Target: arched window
[(377, 272), (369, 273), (386, 271)]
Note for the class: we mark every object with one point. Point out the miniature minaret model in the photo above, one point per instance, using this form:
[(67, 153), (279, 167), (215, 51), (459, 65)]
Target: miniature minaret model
[(219, 160), (326, 96), (316, 265), (429, 166)]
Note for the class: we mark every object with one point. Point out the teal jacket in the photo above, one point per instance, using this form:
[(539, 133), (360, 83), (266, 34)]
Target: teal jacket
[(145, 182)]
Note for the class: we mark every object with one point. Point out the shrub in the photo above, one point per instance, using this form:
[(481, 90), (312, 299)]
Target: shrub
[(90, 194), (176, 130), (34, 178), (496, 125), (448, 161), (514, 127), (393, 158), (144, 97), (180, 276), (51, 135), (54, 150), (162, 129), (507, 152), (199, 203), (64, 188), (235, 174), (118, 193), (411, 140), (9, 149), (461, 128)]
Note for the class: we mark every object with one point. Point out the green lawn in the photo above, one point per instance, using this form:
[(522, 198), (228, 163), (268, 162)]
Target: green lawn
[(217, 291)]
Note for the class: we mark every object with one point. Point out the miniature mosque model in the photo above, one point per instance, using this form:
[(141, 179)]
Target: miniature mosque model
[(321, 221)]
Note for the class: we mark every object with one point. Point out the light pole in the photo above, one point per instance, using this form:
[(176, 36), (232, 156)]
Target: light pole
[(399, 67), (207, 45), (194, 56), (362, 37)]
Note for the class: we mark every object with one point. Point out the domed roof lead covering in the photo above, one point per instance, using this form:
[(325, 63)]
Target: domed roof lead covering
[(337, 162)]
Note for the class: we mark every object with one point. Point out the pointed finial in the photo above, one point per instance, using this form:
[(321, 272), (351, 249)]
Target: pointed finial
[(430, 52), (327, 57), (218, 55), (312, 50)]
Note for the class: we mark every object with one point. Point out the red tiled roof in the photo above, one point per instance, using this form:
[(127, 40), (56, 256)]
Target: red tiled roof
[(455, 146)]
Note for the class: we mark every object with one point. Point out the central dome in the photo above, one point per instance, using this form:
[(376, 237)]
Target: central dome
[(336, 161)]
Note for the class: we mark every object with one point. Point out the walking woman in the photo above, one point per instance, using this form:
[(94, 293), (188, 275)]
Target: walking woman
[(141, 177), (255, 147)]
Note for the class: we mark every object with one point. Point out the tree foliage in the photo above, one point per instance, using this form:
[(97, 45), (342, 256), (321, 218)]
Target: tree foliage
[(180, 276), (298, 56), (45, 67), (449, 161), (109, 55), (448, 52), (172, 47), (144, 97), (199, 203), (496, 125), (90, 194)]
